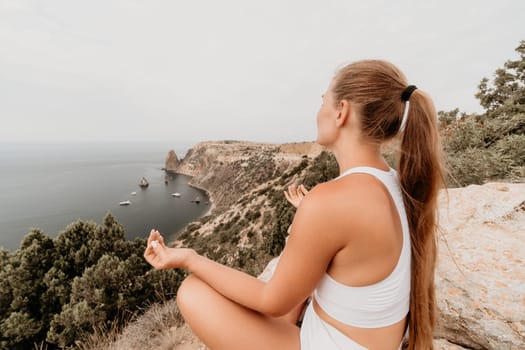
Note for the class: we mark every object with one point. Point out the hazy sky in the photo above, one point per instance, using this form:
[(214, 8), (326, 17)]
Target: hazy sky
[(170, 70)]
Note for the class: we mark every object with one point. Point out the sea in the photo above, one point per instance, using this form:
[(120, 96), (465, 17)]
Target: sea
[(50, 185)]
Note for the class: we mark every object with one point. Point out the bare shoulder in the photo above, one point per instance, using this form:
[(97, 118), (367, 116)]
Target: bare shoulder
[(341, 225), (348, 206), (355, 192)]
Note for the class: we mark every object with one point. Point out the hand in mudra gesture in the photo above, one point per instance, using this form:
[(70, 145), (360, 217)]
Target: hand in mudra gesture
[(162, 257), (295, 195)]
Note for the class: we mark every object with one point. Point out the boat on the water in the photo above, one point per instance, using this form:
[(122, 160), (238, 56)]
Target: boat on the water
[(176, 194), (197, 200), (125, 202), (133, 193), (143, 183)]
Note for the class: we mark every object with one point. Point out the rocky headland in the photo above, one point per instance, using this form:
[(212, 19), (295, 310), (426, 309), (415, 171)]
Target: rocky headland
[(231, 169), (481, 269)]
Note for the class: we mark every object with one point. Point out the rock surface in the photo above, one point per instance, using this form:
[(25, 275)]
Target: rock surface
[(172, 162), (481, 269)]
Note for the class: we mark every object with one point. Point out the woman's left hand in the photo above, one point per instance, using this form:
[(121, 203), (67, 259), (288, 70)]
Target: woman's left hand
[(162, 257), (295, 195)]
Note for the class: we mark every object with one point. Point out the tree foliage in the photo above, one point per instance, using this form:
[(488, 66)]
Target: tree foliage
[(489, 146), (507, 89), (56, 291)]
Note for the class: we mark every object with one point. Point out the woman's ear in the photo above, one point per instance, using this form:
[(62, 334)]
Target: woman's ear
[(345, 111)]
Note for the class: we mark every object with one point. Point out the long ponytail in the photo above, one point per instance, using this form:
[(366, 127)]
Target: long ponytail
[(421, 176), (376, 88)]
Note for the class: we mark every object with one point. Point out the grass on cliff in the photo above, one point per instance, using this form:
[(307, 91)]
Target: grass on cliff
[(154, 330)]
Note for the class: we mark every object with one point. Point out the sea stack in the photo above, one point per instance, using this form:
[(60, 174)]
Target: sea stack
[(172, 162)]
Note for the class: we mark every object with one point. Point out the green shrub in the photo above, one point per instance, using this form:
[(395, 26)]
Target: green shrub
[(56, 291), (489, 146)]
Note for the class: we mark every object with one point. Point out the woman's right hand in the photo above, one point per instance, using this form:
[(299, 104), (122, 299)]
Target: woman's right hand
[(162, 257)]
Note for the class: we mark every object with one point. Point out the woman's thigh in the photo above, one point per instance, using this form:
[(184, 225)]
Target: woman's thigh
[(223, 324)]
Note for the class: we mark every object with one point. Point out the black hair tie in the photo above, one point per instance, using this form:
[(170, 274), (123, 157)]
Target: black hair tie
[(405, 96)]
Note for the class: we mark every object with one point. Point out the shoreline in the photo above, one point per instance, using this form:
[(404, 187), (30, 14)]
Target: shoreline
[(211, 204), (208, 193)]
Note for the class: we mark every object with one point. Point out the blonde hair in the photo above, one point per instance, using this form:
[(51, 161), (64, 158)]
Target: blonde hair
[(376, 87)]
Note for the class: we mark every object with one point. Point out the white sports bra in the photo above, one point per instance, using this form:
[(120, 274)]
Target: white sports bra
[(385, 302)]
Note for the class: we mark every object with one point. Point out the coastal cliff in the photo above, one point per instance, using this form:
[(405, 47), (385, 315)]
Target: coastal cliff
[(479, 280), (231, 169)]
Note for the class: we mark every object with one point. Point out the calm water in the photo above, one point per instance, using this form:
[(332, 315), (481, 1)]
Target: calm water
[(48, 186)]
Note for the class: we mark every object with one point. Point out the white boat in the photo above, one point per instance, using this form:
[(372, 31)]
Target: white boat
[(125, 203), (133, 193), (176, 194)]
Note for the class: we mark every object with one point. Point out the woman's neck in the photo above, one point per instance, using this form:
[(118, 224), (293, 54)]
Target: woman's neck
[(353, 153)]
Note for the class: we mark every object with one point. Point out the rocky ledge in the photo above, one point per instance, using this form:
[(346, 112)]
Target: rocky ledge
[(481, 269)]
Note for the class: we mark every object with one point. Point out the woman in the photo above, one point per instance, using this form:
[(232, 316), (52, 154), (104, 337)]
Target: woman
[(362, 244)]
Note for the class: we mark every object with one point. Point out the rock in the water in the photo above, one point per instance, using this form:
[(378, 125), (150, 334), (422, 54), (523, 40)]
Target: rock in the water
[(481, 270), (172, 162)]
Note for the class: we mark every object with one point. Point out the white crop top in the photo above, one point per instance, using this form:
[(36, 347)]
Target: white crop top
[(385, 302)]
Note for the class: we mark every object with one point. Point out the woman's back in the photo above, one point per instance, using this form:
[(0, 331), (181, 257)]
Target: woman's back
[(375, 240), (365, 291)]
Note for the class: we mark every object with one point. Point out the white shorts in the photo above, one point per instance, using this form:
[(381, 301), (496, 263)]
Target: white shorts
[(316, 334)]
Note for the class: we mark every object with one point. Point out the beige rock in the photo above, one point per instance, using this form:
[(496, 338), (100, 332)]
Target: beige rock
[(442, 344), (302, 148), (481, 268), (172, 162)]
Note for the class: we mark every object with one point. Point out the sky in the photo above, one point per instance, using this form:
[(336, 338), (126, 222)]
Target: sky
[(189, 71)]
